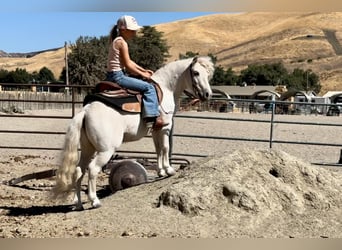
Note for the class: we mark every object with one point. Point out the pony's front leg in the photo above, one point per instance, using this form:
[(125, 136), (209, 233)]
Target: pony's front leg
[(162, 145)]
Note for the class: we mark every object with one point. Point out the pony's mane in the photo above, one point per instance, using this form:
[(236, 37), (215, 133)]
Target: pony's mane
[(166, 73)]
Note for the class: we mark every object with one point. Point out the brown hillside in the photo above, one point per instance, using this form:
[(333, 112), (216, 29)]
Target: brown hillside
[(54, 60), (299, 40)]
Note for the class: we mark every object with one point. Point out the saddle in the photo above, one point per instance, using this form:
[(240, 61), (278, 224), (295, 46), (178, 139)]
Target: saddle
[(113, 95)]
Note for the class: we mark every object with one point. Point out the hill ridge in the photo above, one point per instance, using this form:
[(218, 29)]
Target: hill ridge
[(25, 55), (307, 40)]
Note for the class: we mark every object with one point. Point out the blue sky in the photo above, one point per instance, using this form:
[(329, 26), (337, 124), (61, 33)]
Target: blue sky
[(33, 25), (34, 31)]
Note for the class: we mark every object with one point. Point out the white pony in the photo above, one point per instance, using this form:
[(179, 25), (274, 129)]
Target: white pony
[(100, 130)]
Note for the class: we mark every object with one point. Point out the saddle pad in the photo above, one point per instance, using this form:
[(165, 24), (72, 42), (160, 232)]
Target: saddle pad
[(126, 103), (106, 86)]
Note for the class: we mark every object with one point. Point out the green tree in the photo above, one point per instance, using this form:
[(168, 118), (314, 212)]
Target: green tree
[(250, 74), (303, 80), (149, 50), (267, 74), (35, 76), (296, 80), (219, 77), (87, 61), (313, 81), (3, 75), (45, 75), (224, 77), (62, 76), (18, 76), (231, 77)]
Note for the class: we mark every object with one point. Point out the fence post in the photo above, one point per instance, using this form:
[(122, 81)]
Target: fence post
[(272, 120), (340, 161), (73, 101)]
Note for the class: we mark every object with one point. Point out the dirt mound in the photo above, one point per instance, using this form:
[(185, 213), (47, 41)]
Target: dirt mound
[(258, 182), (247, 193), (263, 193)]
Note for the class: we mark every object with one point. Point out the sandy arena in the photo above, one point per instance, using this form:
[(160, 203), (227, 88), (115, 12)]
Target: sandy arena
[(242, 189)]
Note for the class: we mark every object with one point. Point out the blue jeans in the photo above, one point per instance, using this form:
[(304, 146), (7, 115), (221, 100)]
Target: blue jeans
[(149, 95)]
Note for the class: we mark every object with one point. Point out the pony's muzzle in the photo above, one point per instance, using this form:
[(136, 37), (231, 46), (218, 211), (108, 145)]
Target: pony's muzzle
[(206, 96)]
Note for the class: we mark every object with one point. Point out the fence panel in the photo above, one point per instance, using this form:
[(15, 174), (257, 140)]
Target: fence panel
[(272, 134)]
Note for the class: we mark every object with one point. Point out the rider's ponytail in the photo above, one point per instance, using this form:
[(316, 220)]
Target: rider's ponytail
[(113, 33)]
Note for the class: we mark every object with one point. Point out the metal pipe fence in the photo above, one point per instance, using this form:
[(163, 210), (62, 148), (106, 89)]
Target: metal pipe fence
[(243, 104)]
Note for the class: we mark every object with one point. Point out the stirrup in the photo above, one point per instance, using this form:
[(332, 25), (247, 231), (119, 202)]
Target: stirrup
[(149, 125)]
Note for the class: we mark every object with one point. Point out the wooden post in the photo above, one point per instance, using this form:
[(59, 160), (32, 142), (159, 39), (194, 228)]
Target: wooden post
[(66, 68)]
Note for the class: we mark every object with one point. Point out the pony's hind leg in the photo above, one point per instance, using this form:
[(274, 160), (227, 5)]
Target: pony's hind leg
[(95, 167), (79, 177), (80, 172), (87, 153)]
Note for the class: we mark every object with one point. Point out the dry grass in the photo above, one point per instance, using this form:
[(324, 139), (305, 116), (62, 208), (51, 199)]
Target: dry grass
[(54, 60), (241, 39)]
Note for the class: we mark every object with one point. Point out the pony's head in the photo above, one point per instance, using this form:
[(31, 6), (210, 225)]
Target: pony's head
[(201, 71)]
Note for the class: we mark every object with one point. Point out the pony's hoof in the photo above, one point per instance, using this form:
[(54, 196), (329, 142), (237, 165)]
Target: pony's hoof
[(162, 173), (78, 208), (96, 204), (170, 171)]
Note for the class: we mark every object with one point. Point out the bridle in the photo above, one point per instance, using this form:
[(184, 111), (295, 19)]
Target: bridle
[(194, 84)]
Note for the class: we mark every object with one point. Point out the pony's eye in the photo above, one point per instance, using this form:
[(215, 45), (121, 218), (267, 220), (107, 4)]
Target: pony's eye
[(196, 73)]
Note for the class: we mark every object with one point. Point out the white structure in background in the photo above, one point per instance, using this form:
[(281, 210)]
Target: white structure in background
[(323, 109), (335, 97), (332, 93)]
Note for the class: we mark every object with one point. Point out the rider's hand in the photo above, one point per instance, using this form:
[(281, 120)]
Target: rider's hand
[(150, 71), (147, 74)]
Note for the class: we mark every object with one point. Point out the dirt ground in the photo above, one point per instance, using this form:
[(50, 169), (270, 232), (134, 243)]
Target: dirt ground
[(240, 190)]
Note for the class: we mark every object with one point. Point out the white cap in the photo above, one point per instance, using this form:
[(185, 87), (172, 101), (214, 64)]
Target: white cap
[(128, 22)]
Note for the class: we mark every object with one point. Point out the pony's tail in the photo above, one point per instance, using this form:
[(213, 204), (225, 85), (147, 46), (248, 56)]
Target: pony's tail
[(65, 174)]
